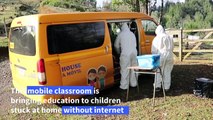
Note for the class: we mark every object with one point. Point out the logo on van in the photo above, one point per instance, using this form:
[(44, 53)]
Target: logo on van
[(71, 69)]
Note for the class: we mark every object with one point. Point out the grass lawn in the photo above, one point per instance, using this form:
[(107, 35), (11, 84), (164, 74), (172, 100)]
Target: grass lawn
[(183, 107), (3, 42), (180, 102)]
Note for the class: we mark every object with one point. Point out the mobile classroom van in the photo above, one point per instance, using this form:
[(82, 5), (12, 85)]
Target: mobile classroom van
[(72, 49)]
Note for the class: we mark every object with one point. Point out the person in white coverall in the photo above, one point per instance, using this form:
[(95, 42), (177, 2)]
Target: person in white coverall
[(163, 45), (125, 44)]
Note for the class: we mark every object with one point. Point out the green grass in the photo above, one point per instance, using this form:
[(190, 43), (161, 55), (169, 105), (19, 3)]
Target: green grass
[(180, 102), (184, 107), (7, 14), (3, 42)]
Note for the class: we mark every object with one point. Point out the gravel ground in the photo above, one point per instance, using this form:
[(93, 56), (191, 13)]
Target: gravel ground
[(4, 69), (6, 82), (183, 76)]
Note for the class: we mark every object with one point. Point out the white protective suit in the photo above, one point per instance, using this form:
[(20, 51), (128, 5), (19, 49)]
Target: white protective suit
[(125, 44), (163, 45)]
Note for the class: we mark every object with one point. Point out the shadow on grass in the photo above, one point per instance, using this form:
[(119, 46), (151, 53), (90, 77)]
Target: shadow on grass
[(183, 76)]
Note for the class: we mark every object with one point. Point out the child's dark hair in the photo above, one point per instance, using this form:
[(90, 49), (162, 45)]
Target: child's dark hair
[(92, 71), (102, 68)]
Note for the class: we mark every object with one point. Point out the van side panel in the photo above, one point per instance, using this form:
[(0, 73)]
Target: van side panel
[(52, 68), (149, 32), (142, 38), (148, 43), (75, 66)]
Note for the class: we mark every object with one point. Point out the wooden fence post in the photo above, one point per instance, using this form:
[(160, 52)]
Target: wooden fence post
[(5, 27), (180, 44)]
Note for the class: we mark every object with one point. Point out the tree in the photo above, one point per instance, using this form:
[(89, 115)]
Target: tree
[(161, 12), (193, 14), (173, 16), (135, 5), (27, 7), (152, 7), (76, 5)]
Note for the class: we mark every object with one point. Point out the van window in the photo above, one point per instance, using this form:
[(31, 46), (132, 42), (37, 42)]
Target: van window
[(149, 27), (74, 37), (23, 40)]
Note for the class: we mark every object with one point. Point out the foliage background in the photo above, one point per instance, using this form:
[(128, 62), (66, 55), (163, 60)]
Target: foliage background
[(192, 14)]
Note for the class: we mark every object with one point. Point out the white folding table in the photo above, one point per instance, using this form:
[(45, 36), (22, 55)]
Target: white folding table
[(139, 70)]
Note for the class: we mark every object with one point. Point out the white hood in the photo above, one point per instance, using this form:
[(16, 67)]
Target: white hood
[(124, 27), (159, 30)]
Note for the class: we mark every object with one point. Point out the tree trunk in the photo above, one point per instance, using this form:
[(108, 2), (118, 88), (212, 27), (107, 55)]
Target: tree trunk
[(5, 28), (137, 6), (147, 6), (161, 14), (152, 7)]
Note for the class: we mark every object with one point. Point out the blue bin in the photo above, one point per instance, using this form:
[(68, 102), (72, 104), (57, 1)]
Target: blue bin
[(149, 61)]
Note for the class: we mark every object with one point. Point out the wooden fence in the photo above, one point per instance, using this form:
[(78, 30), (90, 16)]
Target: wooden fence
[(200, 45)]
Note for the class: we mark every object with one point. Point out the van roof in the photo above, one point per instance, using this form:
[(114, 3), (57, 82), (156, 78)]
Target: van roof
[(78, 16)]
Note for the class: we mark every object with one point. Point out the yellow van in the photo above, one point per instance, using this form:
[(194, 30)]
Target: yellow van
[(71, 49)]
